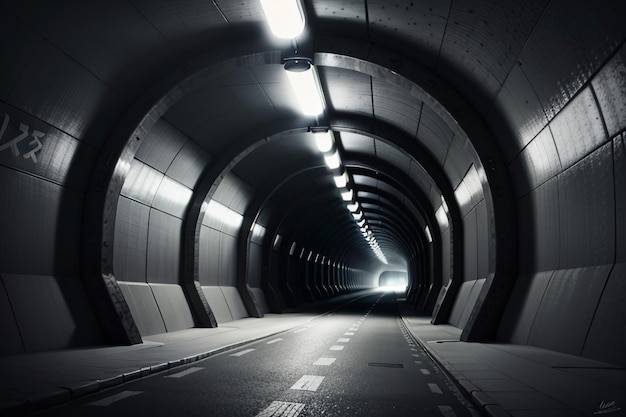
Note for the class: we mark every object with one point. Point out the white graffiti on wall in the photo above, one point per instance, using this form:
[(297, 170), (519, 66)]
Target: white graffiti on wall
[(27, 150)]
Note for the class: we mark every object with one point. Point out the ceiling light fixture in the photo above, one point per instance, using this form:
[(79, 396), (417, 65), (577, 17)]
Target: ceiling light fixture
[(284, 17), (332, 160), (324, 141), (304, 82)]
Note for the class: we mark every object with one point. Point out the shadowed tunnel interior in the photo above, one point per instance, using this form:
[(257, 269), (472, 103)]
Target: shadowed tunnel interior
[(157, 173)]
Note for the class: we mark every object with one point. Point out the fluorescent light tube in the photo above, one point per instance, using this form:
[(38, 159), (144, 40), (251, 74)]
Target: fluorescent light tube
[(284, 17), (307, 91), (324, 141), (333, 161), (347, 195)]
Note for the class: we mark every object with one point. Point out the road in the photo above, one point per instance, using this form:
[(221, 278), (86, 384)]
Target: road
[(357, 361)]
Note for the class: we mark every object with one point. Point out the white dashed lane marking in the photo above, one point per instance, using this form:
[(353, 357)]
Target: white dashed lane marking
[(324, 361), (425, 371), (282, 409), (308, 383), (114, 398), (274, 341), (243, 352), (336, 347), (348, 334), (343, 340), (446, 410), (434, 388), (185, 372)]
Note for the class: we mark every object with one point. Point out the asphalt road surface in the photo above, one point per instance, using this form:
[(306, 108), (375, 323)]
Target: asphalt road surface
[(357, 361)]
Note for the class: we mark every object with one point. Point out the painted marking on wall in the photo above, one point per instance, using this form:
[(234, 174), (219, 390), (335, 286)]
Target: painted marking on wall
[(308, 383), (243, 352), (21, 141), (282, 409), (425, 371), (336, 347), (274, 341), (185, 372), (435, 388), (446, 410), (343, 340), (114, 398), (324, 361)]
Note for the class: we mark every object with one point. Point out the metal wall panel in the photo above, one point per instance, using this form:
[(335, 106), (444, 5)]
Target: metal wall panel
[(565, 314), (578, 129), (394, 105), (399, 159), (587, 211), (65, 95), (172, 198), (62, 317), (208, 256), (255, 265), (470, 252), (519, 315), (172, 306), (539, 230), (258, 296), (142, 182), (11, 341), (619, 155), (30, 145), (164, 237), (39, 225), (445, 257), (486, 260), (521, 112), (471, 301), (216, 300), (189, 164), (235, 304), (143, 307), (131, 241), (610, 89), (559, 57), (434, 133), (228, 261), (460, 303), (159, 148), (536, 164), (347, 90), (17, 41), (458, 160)]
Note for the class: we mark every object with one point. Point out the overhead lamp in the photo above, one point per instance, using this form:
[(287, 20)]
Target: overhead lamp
[(358, 215), (303, 79), (341, 181), (361, 222), (332, 160), (284, 17), (353, 207), (347, 195), (324, 141)]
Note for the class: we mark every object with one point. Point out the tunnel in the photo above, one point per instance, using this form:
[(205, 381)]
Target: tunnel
[(160, 173)]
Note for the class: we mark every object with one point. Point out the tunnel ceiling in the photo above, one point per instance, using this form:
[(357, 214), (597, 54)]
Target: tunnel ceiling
[(406, 84)]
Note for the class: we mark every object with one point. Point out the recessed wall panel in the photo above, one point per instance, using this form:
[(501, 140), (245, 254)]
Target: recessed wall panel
[(217, 302), (172, 306), (209, 256), (131, 240), (587, 211), (255, 265), (609, 87), (11, 341), (470, 253), (164, 239), (539, 229), (228, 261), (578, 129), (143, 307), (567, 309), (235, 304), (485, 259)]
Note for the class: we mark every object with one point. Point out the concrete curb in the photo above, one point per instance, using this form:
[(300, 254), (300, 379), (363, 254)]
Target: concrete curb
[(478, 398)]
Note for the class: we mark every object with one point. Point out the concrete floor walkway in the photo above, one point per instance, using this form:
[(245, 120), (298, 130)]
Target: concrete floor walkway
[(501, 379)]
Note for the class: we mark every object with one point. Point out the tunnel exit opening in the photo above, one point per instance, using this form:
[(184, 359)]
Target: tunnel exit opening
[(395, 281)]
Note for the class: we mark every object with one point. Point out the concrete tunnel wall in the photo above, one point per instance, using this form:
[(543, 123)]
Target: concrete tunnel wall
[(564, 105)]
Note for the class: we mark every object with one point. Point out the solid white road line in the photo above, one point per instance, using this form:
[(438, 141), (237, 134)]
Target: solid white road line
[(324, 361), (336, 347), (435, 389), (274, 341), (243, 352), (308, 383), (113, 398), (282, 409), (185, 372)]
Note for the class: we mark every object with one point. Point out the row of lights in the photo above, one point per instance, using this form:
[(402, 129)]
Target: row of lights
[(286, 21), (326, 144)]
